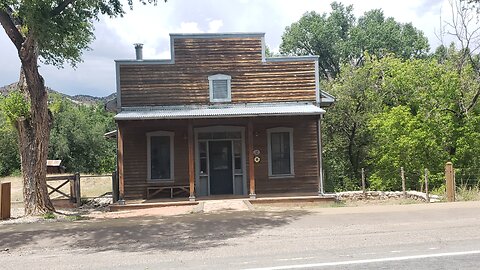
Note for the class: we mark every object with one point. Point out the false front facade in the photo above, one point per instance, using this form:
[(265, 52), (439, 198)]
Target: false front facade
[(219, 118)]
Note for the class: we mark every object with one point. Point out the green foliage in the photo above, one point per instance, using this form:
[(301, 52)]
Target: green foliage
[(61, 32), (320, 34), (77, 137), (381, 36), (339, 38), (15, 106), (400, 139), (49, 215), (9, 157), (393, 112)]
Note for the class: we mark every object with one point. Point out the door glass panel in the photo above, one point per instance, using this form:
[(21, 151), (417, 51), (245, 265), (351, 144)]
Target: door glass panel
[(202, 149), (237, 150)]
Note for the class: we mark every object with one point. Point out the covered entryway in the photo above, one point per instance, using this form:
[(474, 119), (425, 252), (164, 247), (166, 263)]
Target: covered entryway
[(220, 160)]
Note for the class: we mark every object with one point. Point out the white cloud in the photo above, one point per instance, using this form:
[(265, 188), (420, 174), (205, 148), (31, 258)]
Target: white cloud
[(214, 26), (189, 27)]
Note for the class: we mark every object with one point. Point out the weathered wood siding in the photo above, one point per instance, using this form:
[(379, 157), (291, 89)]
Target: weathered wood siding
[(305, 156), (304, 144), (186, 81), (135, 155)]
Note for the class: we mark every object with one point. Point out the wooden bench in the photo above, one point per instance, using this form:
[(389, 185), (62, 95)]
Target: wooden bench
[(174, 190)]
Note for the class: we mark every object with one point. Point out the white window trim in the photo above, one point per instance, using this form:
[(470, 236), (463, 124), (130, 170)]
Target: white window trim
[(292, 166), (149, 160), (229, 88)]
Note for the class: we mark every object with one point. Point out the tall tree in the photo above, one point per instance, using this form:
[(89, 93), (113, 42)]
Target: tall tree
[(339, 38), (53, 32), (324, 35)]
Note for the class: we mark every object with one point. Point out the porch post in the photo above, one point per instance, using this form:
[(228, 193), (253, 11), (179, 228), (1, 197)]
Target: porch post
[(321, 191), (251, 171), (121, 178), (191, 160)]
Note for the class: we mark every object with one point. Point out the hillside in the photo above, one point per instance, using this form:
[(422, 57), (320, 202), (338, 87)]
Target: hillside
[(82, 99)]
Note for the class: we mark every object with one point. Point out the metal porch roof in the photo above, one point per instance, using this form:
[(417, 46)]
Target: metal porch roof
[(218, 111)]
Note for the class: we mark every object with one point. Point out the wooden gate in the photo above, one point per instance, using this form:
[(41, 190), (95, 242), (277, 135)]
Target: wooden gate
[(73, 180)]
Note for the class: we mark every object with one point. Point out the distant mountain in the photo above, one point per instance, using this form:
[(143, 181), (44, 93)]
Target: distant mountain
[(80, 99)]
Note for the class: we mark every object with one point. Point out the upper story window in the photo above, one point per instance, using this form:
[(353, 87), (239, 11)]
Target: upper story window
[(220, 89)]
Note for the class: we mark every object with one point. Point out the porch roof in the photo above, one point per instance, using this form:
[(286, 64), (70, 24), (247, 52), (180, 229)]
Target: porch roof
[(218, 111)]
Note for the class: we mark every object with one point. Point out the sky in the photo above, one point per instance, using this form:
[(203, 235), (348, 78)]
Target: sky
[(151, 26)]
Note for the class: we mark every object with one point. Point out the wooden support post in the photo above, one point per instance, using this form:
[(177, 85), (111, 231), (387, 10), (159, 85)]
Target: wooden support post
[(121, 179), (72, 189), (78, 196), (321, 190), (427, 196), (115, 186), (251, 164), (363, 183), (450, 179), (5, 200), (404, 189), (191, 161)]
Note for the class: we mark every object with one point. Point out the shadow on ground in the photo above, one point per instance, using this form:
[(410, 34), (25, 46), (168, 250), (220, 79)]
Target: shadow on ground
[(151, 233)]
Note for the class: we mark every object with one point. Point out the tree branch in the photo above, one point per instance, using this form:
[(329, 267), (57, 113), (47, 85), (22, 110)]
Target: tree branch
[(61, 7), (12, 32)]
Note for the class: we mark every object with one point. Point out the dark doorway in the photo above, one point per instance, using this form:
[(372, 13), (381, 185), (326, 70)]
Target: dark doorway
[(221, 170)]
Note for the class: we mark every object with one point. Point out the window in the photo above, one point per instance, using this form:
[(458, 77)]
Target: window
[(220, 89), (280, 152), (160, 155)]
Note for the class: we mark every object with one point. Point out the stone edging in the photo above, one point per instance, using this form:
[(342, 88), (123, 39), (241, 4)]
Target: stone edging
[(384, 195)]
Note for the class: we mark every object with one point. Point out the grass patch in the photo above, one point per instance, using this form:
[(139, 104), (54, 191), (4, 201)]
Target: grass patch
[(467, 193), (49, 215), (75, 217), (337, 204)]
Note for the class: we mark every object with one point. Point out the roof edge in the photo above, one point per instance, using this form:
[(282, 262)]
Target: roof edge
[(217, 35)]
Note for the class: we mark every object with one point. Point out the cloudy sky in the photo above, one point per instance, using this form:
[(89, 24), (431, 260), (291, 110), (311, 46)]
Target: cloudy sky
[(151, 25)]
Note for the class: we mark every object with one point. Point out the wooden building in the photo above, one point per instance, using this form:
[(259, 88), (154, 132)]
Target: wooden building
[(219, 117)]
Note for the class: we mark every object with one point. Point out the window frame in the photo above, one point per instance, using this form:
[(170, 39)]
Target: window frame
[(228, 78), (171, 136), (269, 145)]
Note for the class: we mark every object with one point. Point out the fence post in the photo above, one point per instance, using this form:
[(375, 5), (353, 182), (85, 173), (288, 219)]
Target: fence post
[(363, 183), (115, 192), (72, 190), (450, 181), (78, 198), (5, 200), (402, 174), (427, 196)]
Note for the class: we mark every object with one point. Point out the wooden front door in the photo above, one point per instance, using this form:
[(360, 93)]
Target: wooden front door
[(221, 170)]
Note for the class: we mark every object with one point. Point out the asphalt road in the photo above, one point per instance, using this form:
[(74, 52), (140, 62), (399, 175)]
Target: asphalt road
[(435, 236)]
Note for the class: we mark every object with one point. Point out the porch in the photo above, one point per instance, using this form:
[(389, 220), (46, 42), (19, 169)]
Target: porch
[(234, 155)]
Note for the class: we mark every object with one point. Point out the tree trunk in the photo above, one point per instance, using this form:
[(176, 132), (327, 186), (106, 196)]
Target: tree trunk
[(34, 133)]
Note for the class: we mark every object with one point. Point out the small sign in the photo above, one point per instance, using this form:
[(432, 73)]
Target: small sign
[(256, 152)]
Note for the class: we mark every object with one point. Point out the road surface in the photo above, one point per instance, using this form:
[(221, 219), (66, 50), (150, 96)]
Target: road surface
[(420, 236)]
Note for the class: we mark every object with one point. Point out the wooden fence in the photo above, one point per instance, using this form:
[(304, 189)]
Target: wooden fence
[(73, 180)]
